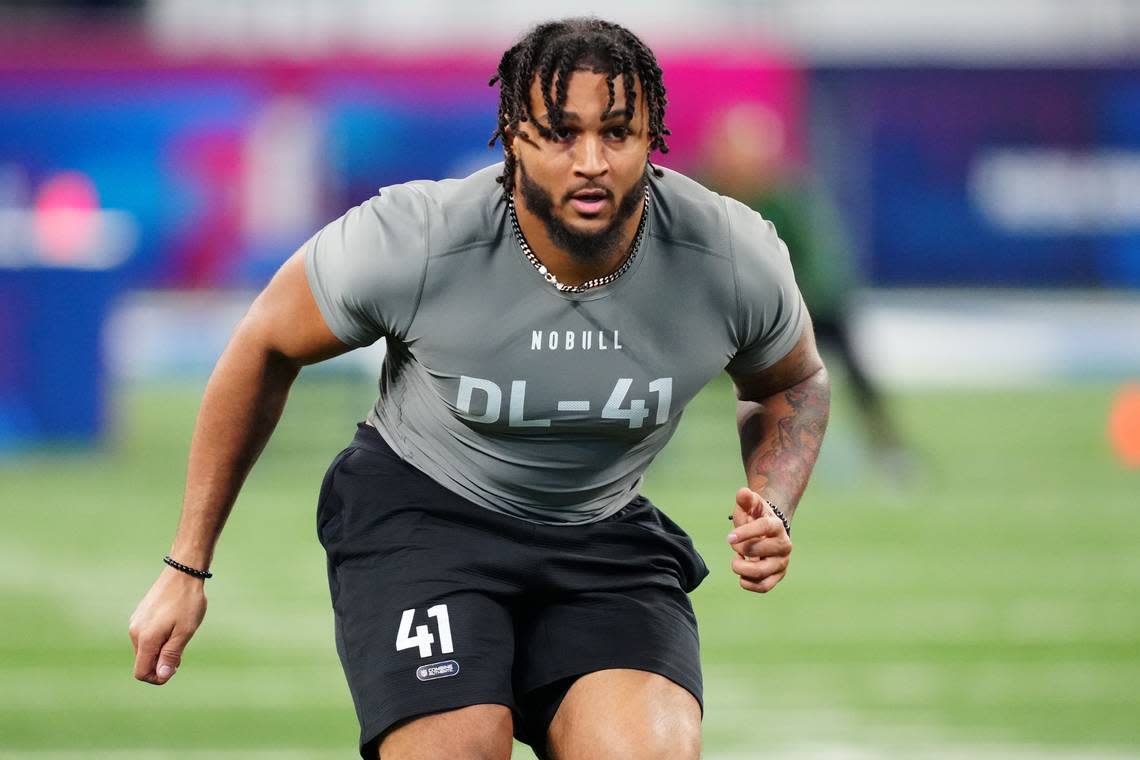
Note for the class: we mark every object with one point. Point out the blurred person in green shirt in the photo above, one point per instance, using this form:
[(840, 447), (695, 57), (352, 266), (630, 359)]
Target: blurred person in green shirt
[(746, 158)]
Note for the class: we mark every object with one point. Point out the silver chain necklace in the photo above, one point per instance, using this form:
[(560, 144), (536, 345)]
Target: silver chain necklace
[(597, 282)]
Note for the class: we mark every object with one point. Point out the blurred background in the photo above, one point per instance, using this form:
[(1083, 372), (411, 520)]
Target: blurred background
[(958, 183)]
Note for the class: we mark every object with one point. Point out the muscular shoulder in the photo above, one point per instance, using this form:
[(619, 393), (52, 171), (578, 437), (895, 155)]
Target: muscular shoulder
[(367, 269), (459, 213), (431, 216), (759, 287), (688, 214), (696, 217)]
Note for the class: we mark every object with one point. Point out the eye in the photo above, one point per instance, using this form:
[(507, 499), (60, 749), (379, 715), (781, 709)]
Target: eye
[(561, 134), (618, 133)]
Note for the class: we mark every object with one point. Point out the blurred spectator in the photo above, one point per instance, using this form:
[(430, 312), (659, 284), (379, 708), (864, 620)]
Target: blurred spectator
[(746, 158)]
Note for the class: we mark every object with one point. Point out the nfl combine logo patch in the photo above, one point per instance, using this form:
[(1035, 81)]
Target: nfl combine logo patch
[(444, 669)]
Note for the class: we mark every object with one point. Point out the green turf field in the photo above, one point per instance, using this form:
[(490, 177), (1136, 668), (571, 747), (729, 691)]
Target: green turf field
[(989, 609)]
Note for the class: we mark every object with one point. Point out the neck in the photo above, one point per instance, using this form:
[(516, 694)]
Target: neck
[(568, 268)]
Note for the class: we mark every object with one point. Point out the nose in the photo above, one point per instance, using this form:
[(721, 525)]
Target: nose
[(590, 158)]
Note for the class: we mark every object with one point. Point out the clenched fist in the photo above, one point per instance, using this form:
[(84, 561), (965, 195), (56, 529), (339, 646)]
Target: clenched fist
[(163, 623), (760, 541)]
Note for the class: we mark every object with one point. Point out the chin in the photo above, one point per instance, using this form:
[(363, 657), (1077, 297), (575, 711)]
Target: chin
[(588, 223), (576, 221)]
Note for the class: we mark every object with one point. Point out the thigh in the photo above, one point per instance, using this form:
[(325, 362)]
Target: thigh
[(415, 637), (614, 595), (650, 631), (406, 655), (626, 714), (620, 601), (477, 732)]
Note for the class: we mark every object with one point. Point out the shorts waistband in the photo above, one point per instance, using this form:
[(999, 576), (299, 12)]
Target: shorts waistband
[(370, 439)]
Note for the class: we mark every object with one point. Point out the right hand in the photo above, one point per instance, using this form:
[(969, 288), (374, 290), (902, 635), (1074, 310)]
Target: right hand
[(163, 623)]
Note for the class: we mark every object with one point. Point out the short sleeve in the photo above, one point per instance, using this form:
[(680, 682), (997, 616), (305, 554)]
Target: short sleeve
[(366, 269), (771, 312)]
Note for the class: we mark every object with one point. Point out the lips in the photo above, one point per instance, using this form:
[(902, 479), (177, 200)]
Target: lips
[(589, 202)]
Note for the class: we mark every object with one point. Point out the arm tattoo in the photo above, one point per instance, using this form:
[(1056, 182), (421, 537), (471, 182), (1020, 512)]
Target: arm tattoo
[(780, 439)]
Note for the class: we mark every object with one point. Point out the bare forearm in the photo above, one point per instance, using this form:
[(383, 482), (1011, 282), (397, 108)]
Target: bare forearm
[(240, 408), (283, 331), (780, 438)]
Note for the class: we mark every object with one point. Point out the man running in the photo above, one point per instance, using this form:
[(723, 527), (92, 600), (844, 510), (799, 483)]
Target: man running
[(494, 569)]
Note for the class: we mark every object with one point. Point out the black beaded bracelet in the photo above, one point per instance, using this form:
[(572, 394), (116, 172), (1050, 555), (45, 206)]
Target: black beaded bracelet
[(784, 520), (203, 574)]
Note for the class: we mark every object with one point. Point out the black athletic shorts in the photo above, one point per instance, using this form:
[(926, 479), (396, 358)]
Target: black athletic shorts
[(440, 603)]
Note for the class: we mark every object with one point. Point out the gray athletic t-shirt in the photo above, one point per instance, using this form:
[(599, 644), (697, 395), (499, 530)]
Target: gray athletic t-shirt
[(544, 405)]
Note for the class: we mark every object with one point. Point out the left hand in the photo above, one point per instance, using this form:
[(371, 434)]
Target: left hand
[(762, 545)]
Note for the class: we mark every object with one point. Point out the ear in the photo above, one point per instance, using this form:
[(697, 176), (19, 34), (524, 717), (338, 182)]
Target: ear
[(511, 140)]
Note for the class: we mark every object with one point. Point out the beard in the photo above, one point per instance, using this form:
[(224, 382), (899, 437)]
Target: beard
[(582, 246)]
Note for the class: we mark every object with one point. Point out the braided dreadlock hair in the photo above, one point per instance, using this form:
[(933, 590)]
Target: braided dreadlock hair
[(553, 51)]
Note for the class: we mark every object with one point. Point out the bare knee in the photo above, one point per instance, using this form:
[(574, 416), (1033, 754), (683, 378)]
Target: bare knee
[(478, 732), (626, 715), (669, 736)]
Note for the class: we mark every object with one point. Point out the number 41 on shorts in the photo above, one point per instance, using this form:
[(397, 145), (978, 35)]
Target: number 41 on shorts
[(424, 638)]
